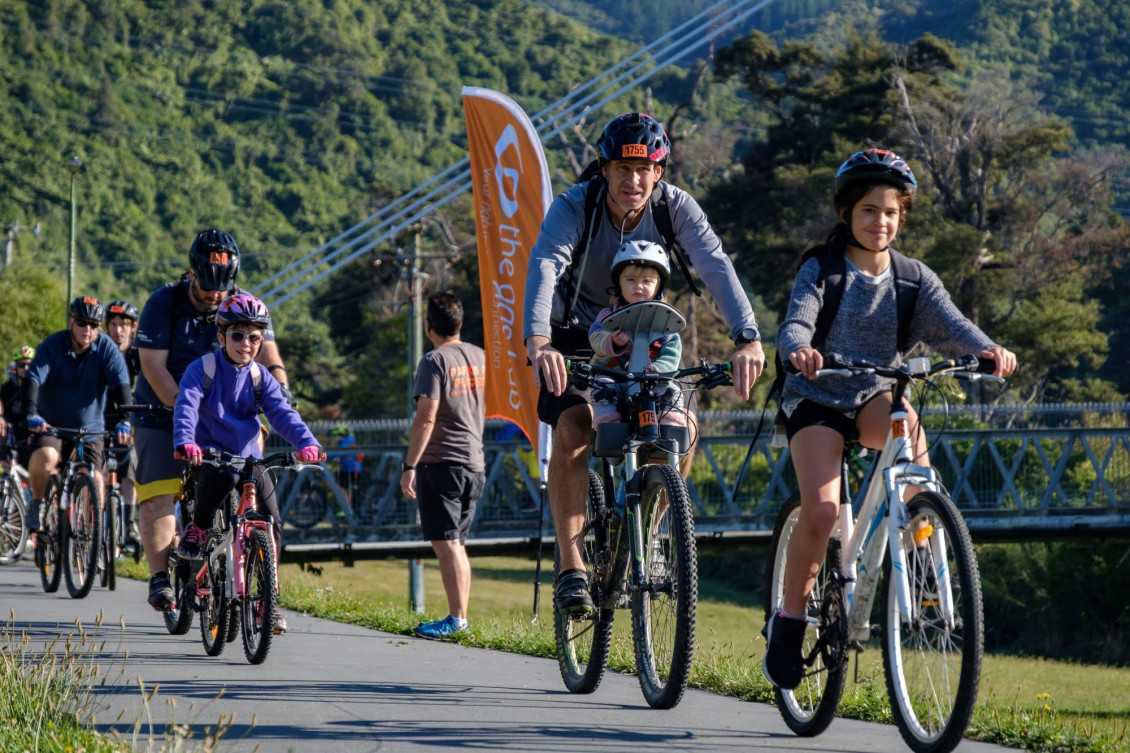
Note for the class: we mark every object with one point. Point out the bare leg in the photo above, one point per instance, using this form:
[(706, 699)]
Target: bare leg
[(158, 530), (569, 482), (816, 452), (455, 569)]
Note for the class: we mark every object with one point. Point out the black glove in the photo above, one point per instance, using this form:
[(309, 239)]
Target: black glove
[(287, 395)]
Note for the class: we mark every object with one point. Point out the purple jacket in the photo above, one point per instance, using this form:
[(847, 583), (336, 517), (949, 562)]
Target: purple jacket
[(227, 418)]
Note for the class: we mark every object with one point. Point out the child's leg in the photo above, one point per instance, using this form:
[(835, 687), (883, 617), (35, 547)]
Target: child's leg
[(212, 486)]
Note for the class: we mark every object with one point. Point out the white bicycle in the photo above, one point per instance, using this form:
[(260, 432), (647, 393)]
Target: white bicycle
[(930, 622)]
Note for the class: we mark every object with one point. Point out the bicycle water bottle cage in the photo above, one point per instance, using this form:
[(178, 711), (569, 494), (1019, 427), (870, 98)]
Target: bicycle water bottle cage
[(646, 322)]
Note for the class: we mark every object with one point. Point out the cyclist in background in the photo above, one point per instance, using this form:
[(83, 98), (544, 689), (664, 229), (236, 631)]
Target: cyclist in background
[(121, 326), (562, 303), (73, 372), (875, 190), (13, 419), (349, 474), (176, 328), (221, 411)]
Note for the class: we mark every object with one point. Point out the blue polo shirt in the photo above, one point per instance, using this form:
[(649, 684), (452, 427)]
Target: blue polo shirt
[(170, 322), (72, 386)]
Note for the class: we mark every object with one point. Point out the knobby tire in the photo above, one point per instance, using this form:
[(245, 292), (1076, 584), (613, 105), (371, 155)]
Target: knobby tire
[(82, 544), (49, 540), (583, 643), (261, 598), (13, 530), (663, 613)]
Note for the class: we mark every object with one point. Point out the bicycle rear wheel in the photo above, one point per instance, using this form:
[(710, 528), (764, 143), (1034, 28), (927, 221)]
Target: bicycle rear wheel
[(178, 617), (81, 544), (583, 641), (811, 707), (110, 539), (261, 597), (214, 614), (663, 612), (933, 664), (49, 540), (13, 531)]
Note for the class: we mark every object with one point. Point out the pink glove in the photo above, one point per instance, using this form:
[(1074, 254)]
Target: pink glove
[(190, 452), (311, 454)]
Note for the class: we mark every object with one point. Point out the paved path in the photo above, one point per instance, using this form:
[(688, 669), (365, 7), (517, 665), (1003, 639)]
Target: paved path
[(333, 687)]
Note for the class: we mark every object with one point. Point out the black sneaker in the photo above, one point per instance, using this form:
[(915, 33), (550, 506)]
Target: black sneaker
[(31, 515), (572, 593), (161, 594), (783, 665)]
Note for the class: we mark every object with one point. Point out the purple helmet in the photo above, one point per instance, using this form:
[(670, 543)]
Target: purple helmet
[(242, 308)]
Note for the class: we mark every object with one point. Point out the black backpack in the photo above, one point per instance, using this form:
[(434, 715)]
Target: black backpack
[(833, 269), (594, 214)]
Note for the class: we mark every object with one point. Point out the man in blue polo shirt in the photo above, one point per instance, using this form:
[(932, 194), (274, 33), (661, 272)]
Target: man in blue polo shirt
[(176, 328), (73, 372)]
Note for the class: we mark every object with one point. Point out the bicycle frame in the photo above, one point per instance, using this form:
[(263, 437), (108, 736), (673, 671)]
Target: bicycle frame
[(863, 550)]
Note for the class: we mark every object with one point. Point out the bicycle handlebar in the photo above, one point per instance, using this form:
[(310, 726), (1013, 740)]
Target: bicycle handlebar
[(285, 460), (712, 375), (158, 408), (968, 367)]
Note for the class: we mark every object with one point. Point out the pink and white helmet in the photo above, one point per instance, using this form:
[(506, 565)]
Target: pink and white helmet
[(242, 308)]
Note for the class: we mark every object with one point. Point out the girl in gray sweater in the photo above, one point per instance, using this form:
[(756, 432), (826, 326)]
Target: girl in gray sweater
[(875, 190)]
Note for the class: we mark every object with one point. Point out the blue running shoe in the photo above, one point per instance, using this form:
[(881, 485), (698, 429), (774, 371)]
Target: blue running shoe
[(444, 628)]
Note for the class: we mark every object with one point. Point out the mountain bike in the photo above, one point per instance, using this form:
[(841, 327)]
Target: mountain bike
[(638, 539), (115, 528), (70, 532), (235, 589), (13, 532), (931, 623)]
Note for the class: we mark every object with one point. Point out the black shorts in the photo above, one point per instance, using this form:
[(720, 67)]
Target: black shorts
[(91, 449), (550, 406), (447, 494), (809, 413)]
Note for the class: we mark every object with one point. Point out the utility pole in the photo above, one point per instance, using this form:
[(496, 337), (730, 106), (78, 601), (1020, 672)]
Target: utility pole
[(74, 166), (10, 230)]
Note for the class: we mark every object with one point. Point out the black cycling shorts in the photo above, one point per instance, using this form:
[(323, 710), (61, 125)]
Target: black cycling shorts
[(447, 494)]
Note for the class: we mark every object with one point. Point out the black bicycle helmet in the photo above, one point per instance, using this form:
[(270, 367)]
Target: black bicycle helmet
[(634, 136), (86, 307), (124, 309), (214, 259), (876, 163)]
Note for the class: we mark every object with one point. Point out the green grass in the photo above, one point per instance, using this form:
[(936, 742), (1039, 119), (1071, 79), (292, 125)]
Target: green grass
[(1035, 704), (46, 700)]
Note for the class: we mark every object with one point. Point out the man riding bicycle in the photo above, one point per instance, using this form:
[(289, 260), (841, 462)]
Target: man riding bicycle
[(176, 328), (73, 372), (121, 326), (564, 295)]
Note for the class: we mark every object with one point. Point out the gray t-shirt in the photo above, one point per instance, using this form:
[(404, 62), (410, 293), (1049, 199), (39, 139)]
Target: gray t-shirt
[(866, 326), (454, 374)]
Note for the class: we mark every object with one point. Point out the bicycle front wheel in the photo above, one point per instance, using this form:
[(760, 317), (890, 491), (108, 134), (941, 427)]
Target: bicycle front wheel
[(811, 707), (49, 540), (933, 662), (583, 641), (663, 610), (81, 544), (110, 539), (178, 616), (13, 531), (261, 598)]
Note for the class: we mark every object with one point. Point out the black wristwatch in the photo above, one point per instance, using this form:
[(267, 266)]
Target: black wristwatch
[(406, 467), (746, 336)]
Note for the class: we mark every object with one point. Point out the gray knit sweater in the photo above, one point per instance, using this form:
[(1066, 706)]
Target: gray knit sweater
[(866, 327)]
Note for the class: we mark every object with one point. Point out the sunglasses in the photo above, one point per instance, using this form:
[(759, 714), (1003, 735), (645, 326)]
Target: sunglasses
[(252, 337), (23, 365), (86, 323)]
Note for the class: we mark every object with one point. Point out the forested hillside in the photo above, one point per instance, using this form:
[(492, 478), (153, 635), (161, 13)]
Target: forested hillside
[(283, 122), (288, 122)]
